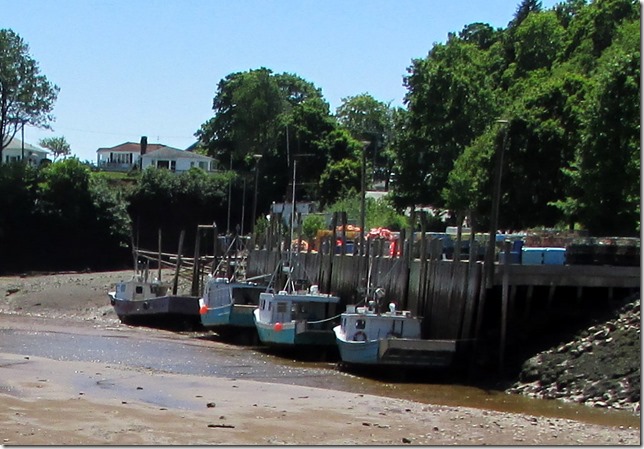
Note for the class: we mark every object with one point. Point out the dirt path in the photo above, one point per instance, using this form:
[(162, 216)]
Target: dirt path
[(86, 403)]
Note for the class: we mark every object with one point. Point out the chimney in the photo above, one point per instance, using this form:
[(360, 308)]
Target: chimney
[(144, 148)]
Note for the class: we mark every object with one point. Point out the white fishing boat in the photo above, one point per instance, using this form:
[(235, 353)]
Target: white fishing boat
[(367, 337)]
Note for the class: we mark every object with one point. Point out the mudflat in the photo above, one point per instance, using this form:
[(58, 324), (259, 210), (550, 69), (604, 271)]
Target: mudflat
[(53, 402)]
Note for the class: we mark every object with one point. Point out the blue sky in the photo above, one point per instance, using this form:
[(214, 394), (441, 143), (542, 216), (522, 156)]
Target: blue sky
[(128, 68)]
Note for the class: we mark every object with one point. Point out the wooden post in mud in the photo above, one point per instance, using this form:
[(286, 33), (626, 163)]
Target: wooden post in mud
[(175, 282), (215, 249), (196, 266), (159, 257), (422, 281), (334, 236), (343, 223), (504, 302)]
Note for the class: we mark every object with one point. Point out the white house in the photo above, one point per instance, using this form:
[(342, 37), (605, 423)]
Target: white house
[(176, 160), (15, 151), (128, 155)]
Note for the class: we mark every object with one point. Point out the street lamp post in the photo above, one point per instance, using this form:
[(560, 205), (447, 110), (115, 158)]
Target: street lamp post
[(496, 200), (257, 157)]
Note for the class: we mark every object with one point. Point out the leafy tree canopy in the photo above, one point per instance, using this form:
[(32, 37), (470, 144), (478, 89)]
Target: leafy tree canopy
[(26, 96), (57, 145)]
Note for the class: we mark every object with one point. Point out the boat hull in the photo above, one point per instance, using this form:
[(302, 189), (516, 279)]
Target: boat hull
[(291, 334), (234, 315), (164, 309), (404, 352)]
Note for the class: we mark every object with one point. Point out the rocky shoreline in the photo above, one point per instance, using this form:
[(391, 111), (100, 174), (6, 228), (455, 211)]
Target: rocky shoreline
[(599, 367)]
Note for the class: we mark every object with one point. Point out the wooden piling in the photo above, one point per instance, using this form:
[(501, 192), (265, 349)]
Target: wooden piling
[(175, 281), (504, 302), (196, 266), (159, 255)]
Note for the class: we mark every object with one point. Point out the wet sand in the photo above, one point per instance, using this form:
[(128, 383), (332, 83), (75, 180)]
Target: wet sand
[(47, 401)]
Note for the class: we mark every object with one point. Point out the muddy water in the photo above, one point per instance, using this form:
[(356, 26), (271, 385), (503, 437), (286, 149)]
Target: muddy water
[(199, 354)]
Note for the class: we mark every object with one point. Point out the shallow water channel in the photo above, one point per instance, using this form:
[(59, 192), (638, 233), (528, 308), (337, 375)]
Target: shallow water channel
[(200, 354)]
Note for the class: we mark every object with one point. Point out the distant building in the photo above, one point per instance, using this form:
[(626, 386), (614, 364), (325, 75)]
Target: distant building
[(33, 155), (128, 155), (302, 207)]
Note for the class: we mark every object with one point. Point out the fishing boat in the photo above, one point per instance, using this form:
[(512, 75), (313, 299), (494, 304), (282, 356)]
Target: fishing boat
[(227, 305), (141, 301), (369, 338), (295, 317)]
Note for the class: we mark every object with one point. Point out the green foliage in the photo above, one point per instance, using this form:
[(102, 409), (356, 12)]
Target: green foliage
[(57, 145), (339, 179), (176, 201), (567, 81), (274, 115), (370, 120), (378, 213), (450, 102), (59, 217), (26, 96), (609, 157), (311, 224)]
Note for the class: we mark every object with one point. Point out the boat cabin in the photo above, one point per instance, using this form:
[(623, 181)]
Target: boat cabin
[(220, 292), (362, 324), (286, 307), (137, 289)]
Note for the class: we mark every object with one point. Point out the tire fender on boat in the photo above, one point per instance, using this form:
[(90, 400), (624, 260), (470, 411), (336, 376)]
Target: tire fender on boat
[(360, 336)]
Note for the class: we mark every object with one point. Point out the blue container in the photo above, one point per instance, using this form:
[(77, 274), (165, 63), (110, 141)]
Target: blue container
[(532, 256), (515, 257), (554, 256)]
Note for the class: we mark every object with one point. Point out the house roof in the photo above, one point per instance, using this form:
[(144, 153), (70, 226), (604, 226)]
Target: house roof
[(174, 153), (132, 147), (16, 144)]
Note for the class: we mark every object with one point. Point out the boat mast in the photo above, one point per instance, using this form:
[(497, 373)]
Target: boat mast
[(289, 281)]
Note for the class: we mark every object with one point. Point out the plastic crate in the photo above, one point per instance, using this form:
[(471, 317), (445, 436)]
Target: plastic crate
[(554, 256), (532, 256)]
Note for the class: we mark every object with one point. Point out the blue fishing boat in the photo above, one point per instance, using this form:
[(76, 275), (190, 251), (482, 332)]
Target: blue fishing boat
[(367, 337), (296, 318), (228, 305)]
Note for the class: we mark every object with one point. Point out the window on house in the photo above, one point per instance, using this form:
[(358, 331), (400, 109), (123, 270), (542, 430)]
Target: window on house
[(163, 164), (203, 165)]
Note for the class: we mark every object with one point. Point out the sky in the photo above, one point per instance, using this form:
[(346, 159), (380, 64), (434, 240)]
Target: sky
[(132, 68)]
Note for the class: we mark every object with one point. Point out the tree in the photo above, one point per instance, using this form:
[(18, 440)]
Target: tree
[(450, 101), (608, 163), (57, 145), (277, 116), (368, 119), (26, 96)]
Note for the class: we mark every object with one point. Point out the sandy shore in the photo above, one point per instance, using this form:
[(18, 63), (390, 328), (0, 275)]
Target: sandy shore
[(90, 403)]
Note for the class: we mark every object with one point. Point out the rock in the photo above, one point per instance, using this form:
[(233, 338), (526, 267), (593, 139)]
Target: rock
[(406, 440), (210, 405)]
